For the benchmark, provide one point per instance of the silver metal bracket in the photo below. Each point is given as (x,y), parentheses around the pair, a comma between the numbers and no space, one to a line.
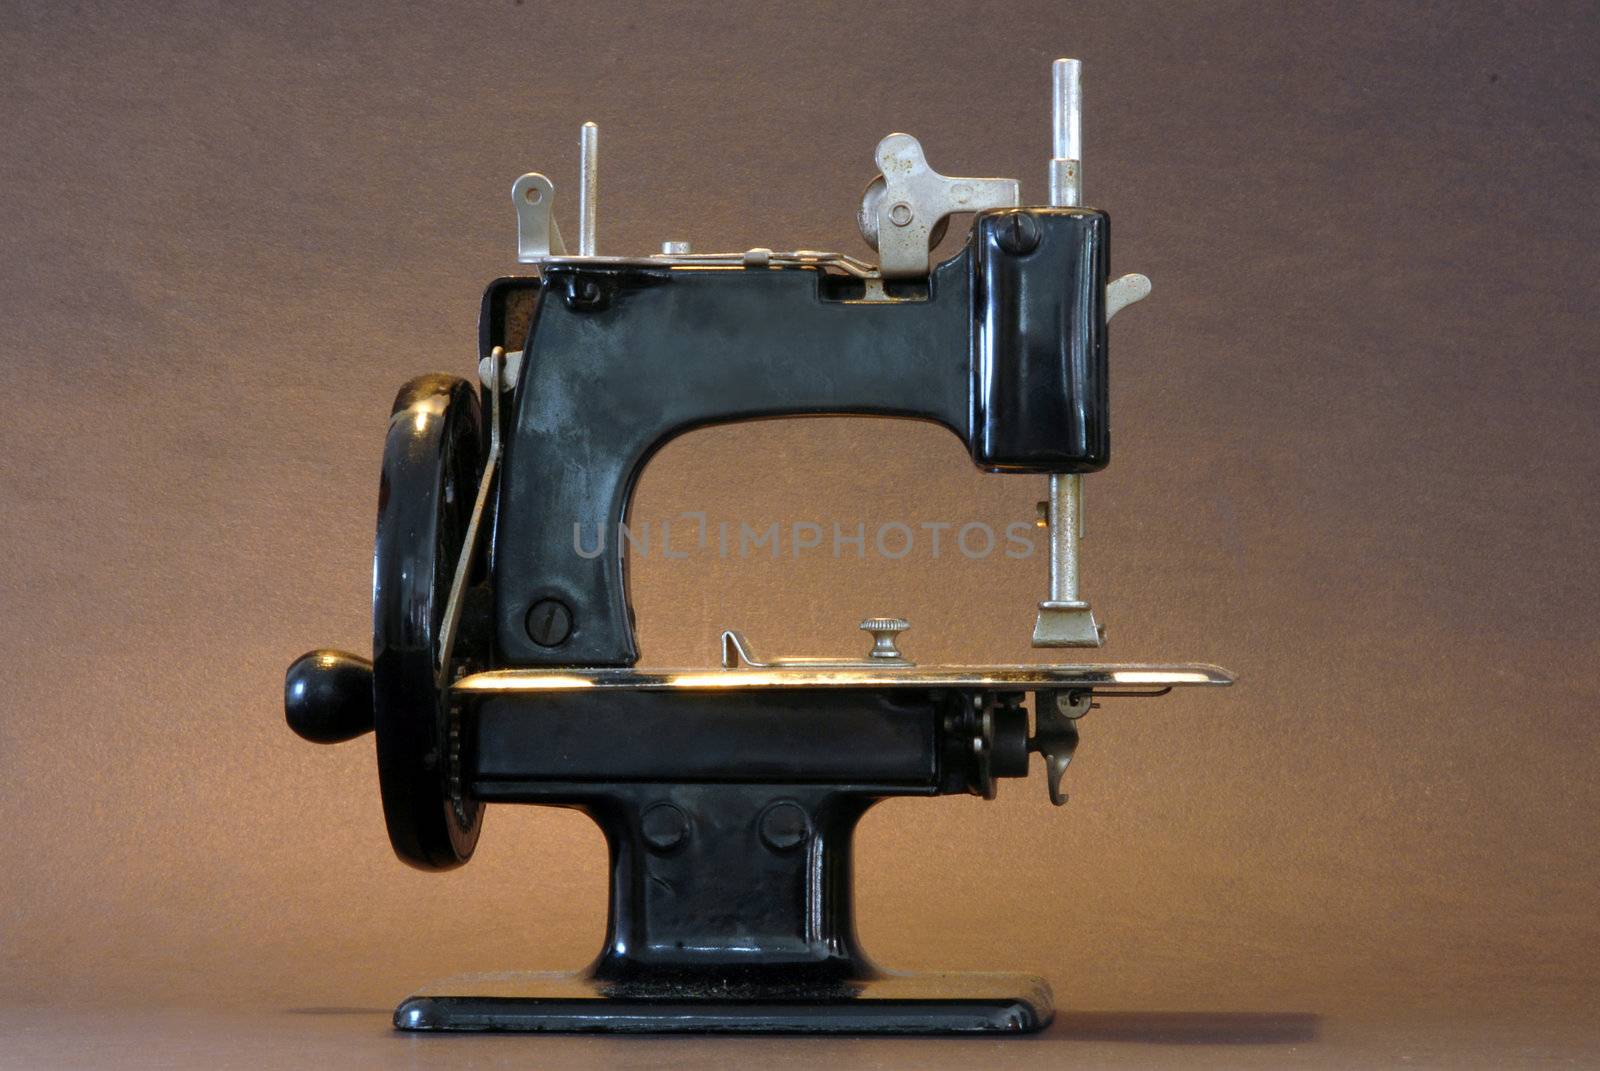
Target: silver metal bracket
(538,236)
(1124,291)
(903,209)
(510,372)
(1055,733)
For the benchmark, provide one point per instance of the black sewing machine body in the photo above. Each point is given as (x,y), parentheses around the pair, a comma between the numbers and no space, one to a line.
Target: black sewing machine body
(503,662)
(1007,349)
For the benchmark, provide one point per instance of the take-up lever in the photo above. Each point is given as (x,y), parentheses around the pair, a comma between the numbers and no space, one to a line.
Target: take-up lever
(905,210)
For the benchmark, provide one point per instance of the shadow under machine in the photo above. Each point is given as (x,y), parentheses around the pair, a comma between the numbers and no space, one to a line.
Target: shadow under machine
(503,666)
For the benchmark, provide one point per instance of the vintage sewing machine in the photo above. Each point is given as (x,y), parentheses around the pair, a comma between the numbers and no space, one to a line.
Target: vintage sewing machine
(502,667)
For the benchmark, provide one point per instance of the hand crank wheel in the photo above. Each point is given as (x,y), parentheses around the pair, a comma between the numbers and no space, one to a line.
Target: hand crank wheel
(432,461)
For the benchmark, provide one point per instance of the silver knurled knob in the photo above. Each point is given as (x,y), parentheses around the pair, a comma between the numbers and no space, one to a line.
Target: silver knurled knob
(883,631)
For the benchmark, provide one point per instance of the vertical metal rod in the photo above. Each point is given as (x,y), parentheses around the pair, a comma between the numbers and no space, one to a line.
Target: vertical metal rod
(1064,512)
(1066,522)
(1066,191)
(1066,82)
(1066,130)
(588,187)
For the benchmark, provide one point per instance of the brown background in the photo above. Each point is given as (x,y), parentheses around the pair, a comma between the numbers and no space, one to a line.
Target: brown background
(1356,464)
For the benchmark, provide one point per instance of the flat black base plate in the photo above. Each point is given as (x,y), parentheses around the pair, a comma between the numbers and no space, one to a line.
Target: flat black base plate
(891,1004)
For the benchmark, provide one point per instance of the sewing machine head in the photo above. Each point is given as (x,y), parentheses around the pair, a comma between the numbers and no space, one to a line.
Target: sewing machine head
(504,645)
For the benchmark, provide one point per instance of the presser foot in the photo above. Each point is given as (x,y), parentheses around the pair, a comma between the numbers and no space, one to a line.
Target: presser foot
(890,1003)
(1067,624)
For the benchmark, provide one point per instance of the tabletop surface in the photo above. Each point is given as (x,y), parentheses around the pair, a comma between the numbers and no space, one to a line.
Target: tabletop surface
(130,1038)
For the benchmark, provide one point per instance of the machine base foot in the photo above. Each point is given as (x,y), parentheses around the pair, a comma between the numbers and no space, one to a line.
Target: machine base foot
(578,1003)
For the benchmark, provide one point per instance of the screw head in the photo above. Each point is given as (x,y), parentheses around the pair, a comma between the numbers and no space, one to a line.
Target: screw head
(1018,233)
(549,622)
(663,827)
(584,292)
(785,826)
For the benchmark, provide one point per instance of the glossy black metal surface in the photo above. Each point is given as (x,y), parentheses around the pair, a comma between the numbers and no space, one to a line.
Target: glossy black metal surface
(730,910)
(893,1003)
(1040,400)
(327,696)
(432,459)
(728,812)
(736,735)
(1007,351)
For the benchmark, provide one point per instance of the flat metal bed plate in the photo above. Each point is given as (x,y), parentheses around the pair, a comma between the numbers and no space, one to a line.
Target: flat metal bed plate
(1100,678)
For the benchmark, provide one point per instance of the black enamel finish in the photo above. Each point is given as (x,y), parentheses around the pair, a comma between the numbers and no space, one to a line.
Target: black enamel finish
(772,736)
(1040,400)
(741,921)
(729,818)
(1007,351)
(432,459)
(885,1004)
(327,696)
(728,814)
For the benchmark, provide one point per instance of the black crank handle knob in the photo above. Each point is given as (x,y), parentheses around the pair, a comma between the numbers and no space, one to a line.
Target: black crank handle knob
(327,696)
